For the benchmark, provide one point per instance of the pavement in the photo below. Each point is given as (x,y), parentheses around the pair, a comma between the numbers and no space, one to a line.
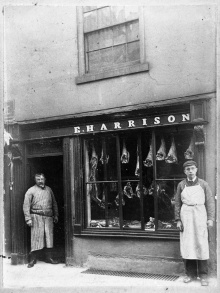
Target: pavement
(44,277)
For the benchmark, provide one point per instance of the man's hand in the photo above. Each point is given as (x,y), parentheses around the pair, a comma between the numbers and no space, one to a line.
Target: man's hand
(29,223)
(55,219)
(209,223)
(179,225)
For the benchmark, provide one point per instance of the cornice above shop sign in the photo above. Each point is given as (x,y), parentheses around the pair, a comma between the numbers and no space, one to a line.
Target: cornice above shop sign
(117,125)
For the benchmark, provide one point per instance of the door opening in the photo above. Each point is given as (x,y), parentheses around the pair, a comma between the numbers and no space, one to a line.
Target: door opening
(52,168)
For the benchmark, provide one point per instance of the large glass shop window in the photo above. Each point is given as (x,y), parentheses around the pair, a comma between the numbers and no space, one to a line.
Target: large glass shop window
(131,178)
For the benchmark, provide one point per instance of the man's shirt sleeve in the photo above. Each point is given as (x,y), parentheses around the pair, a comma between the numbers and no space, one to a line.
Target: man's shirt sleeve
(209,202)
(55,207)
(178,202)
(27,204)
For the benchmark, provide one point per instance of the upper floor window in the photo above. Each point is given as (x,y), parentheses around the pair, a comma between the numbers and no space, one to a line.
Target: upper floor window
(110,38)
(111,35)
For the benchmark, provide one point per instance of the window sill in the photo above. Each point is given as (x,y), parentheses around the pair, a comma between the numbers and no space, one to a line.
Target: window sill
(131,69)
(160,235)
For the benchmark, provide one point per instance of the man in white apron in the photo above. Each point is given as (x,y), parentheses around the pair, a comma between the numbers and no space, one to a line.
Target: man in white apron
(40,211)
(195,214)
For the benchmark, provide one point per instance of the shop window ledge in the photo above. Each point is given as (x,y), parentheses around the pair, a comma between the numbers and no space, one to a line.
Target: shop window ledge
(174,235)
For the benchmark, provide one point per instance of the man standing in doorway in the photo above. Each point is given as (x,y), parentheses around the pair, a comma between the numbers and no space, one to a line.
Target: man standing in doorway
(40,211)
(195,214)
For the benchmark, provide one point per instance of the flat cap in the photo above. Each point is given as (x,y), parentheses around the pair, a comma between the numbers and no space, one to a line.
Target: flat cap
(189,163)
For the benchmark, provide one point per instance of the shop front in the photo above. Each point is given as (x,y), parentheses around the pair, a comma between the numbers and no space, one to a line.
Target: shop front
(114,177)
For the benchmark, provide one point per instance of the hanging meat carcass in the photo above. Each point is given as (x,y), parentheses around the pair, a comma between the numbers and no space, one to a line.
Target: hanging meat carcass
(93,165)
(151,189)
(138,190)
(102,159)
(189,153)
(125,154)
(161,153)
(92,177)
(172,155)
(137,169)
(117,200)
(128,191)
(149,159)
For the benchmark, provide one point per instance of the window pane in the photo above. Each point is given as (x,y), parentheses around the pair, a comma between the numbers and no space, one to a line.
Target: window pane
(147,167)
(119,35)
(94,60)
(104,17)
(165,195)
(92,41)
(106,58)
(103,151)
(106,38)
(130,182)
(107,167)
(131,12)
(90,21)
(98,196)
(173,146)
(133,51)
(118,14)
(119,53)
(132,31)
(132,206)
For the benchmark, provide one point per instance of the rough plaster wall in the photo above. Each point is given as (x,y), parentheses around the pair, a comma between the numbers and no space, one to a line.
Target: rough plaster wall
(40,58)
(123,248)
(42,62)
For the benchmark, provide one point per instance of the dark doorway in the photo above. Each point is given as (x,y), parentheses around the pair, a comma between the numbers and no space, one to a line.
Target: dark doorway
(52,167)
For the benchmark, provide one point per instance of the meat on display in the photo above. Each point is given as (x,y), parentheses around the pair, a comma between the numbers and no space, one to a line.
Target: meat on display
(172,154)
(189,153)
(149,159)
(125,154)
(161,153)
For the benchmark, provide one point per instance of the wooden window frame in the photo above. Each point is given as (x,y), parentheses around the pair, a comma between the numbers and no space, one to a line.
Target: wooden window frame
(82,229)
(128,68)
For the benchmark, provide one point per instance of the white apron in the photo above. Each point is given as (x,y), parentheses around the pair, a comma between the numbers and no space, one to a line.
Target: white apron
(41,232)
(194,238)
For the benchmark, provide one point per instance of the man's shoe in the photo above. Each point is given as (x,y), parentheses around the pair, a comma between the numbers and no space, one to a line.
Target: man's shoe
(204,282)
(52,261)
(187,279)
(31,263)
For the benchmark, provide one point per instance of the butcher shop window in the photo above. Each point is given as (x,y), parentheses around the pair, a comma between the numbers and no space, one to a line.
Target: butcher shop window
(131,178)
(112,39)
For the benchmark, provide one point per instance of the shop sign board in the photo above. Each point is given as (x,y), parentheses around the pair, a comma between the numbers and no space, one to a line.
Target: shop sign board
(143,122)
(117,125)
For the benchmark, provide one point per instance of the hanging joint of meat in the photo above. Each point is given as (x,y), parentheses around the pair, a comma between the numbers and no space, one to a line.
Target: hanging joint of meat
(189,153)
(92,177)
(137,170)
(149,159)
(138,190)
(117,200)
(104,159)
(125,155)
(172,154)
(93,165)
(161,153)
(128,191)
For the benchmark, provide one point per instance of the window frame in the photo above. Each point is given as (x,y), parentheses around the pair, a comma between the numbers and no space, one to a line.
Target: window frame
(121,69)
(139,233)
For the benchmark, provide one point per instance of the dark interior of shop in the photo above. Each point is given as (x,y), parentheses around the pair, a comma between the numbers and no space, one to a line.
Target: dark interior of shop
(52,168)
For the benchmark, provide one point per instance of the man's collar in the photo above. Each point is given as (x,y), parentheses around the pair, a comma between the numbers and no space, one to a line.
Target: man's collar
(193,180)
(41,187)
